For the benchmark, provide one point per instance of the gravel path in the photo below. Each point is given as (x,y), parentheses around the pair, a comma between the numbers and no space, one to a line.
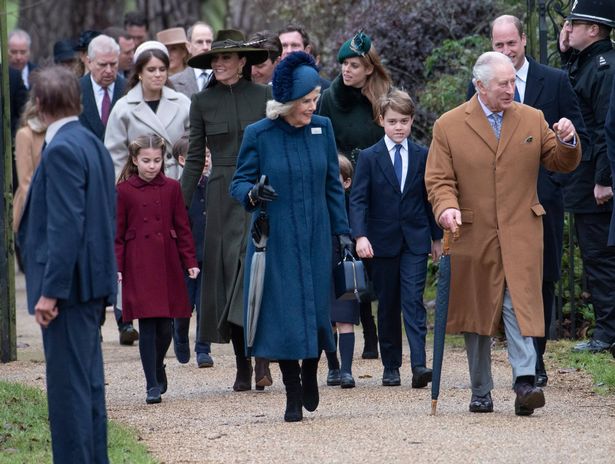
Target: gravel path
(201,420)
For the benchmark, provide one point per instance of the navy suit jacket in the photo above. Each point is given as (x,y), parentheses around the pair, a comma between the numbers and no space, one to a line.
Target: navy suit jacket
(89,117)
(380,211)
(68,228)
(549,90)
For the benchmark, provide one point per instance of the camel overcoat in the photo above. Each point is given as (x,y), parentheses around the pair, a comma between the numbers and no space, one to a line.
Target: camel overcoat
(493,184)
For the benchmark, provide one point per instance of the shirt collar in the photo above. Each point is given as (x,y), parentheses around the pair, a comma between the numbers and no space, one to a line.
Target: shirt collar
(390,144)
(98,89)
(522,73)
(486,110)
(55,126)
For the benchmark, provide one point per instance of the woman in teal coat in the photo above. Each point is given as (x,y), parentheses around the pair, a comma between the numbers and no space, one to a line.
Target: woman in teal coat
(296,150)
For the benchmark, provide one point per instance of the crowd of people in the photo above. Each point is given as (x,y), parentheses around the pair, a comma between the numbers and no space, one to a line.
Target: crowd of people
(152,176)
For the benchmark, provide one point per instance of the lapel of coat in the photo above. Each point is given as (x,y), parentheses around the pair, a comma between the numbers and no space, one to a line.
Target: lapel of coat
(413,166)
(534,84)
(190,81)
(156,121)
(510,121)
(118,89)
(384,161)
(476,120)
(90,109)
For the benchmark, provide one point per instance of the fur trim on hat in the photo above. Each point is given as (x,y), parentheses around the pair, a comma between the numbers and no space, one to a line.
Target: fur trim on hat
(282,83)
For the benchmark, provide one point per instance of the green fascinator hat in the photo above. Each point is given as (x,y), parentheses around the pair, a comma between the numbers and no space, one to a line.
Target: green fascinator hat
(359,45)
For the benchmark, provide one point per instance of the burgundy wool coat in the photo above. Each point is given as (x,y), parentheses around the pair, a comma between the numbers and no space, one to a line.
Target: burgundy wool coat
(154,248)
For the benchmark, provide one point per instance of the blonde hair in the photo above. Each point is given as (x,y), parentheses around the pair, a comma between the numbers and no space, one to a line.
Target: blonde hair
(275,109)
(143,141)
(346,169)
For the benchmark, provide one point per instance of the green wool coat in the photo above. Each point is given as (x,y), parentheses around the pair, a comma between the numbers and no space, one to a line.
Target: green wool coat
(351,116)
(218,117)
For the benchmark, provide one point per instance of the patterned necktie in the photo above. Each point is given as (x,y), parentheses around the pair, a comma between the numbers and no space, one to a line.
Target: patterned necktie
(202,80)
(397,164)
(496,123)
(105,108)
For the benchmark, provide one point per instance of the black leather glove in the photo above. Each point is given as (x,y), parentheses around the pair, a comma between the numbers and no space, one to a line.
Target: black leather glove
(346,244)
(262,191)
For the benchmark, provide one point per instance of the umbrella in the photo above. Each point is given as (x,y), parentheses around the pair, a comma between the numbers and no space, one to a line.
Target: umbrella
(260,234)
(439,330)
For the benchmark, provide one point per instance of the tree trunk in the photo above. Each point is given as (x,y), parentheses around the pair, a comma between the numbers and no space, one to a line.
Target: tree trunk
(47,22)
(163,14)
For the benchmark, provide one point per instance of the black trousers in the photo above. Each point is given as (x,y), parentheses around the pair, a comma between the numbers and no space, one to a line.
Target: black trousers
(599,266)
(540,343)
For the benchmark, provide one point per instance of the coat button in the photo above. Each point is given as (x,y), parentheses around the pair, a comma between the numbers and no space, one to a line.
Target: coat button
(146,235)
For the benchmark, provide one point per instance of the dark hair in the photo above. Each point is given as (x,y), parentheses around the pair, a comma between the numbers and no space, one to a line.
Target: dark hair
(297,28)
(397,100)
(143,59)
(604,31)
(180,148)
(270,42)
(116,32)
(135,18)
(143,141)
(60,95)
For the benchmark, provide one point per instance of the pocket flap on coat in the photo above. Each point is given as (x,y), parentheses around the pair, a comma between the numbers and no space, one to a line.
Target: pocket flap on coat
(216,128)
(467,216)
(538,209)
(173,233)
(130,234)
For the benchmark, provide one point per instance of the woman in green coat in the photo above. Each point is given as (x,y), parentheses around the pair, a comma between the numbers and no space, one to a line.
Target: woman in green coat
(352,105)
(218,116)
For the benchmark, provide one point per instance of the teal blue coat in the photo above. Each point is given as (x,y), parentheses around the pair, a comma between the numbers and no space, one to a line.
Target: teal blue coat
(302,167)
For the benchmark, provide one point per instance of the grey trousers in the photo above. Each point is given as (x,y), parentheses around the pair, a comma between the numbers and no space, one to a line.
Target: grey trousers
(521,352)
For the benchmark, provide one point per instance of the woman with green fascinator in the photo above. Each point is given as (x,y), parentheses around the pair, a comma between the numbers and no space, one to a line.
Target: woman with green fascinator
(352,105)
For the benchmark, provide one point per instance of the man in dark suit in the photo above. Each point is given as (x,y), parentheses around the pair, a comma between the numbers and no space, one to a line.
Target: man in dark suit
(19,43)
(394,227)
(609,130)
(192,80)
(67,240)
(101,88)
(547,89)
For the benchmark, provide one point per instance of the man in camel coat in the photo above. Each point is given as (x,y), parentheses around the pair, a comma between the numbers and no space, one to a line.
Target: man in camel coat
(481,178)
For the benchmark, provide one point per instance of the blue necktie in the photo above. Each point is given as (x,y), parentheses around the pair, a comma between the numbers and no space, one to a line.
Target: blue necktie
(397,163)
(517,96)
(496,123)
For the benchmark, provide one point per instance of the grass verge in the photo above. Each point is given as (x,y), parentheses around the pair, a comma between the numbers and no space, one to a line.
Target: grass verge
(601,366)
(24,430)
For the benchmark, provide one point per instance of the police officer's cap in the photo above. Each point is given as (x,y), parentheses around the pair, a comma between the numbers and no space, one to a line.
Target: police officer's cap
(593,11)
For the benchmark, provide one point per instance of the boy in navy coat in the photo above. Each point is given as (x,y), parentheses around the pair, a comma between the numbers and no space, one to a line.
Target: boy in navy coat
(395,231)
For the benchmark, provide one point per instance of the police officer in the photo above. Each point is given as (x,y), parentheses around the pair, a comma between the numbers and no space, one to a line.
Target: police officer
(590,59)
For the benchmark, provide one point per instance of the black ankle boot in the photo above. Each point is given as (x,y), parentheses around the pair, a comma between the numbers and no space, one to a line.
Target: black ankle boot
(309,383)
(290,377)
(243,379)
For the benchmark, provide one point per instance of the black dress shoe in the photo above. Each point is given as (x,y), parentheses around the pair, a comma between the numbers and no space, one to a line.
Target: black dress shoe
(541,379)
(528,398)
(346,380)
(333,378)
(153,395)
(421,376)
(591,346)
(481,403)
(391,378)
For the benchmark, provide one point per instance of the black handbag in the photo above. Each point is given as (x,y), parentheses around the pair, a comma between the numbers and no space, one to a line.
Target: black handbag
(349,278)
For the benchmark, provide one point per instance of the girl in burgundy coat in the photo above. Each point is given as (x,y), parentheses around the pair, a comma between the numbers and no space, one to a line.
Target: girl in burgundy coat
(153,246)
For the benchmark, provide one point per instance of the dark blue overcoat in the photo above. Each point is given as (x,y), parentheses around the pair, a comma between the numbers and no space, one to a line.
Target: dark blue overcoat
(302,167)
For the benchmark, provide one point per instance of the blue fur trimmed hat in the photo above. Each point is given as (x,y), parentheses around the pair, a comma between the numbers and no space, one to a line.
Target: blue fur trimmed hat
(359,45)
(295,77)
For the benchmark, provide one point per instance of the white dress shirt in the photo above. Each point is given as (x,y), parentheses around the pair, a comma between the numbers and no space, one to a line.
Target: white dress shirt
(521,79)
(404,157)
(99,94)
(55,126)
(202,77)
